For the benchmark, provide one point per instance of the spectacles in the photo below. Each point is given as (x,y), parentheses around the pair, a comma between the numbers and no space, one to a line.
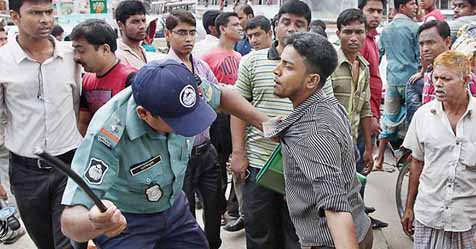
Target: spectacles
(183,33)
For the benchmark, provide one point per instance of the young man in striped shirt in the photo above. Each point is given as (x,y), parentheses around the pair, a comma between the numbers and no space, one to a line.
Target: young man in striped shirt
(322,190)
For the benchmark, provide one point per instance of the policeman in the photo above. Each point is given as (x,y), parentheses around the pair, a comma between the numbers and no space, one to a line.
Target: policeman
(134,157)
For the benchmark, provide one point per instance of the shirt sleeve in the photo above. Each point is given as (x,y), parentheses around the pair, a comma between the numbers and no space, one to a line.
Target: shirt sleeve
(366,110)
(211,92)
(97,165)
(245,77)
(381,47)
(2,116)
(319,158)
(412,141)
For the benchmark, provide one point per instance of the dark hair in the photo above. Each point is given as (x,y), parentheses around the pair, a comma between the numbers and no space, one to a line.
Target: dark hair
(57,30)
(397,3)
(442,27)
(297,8)
(208,19)
(362,3)
(128,8)
(319,55)
(472,2)
(97,32)
(318,27)
(179,16)
(15,5)
(223,19)
(259,21)
(246,8)
(350,15)
(2,29)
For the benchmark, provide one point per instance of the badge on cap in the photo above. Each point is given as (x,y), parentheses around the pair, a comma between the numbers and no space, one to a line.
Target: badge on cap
(153,193)
(95,172)
(187,96)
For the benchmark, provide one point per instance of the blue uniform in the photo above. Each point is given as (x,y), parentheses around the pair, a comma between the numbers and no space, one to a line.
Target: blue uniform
(141,171)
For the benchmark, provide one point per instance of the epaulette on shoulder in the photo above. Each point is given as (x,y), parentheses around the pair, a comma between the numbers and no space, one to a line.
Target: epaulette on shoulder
(111,132)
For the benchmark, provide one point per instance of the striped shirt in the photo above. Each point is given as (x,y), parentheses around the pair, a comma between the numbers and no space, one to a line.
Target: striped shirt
(354,96)
(319,169)
(256,84)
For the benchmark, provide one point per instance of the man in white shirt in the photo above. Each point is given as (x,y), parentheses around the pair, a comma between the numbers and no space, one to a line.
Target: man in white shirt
(441,204)
(39,92)
(211,39)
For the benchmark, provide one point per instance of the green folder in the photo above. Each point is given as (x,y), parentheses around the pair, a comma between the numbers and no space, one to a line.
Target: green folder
(271,176)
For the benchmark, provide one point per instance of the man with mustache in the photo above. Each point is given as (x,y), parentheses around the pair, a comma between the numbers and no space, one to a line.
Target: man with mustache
(351,79)
(441,204)
(130,17)
(94,44)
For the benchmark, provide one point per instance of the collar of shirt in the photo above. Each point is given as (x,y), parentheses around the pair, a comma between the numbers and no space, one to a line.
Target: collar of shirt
(273,51)
(209,37)
(341,59)
(315,99)
(135,126)
(19,54)
(402,16)
(372,33)
(123,46)
(437,108)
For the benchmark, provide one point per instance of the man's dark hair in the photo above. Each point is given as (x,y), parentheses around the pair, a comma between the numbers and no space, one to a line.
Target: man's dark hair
(2,29)
(350,15)
(208,19)
(295,7)
(318,27)
(442,27)
(397,3)
(15,5)
(223,19)
(261,22)
(362,3)
(179,16)
(128,8)
(57,30)
(472,3)
(246,8)
(319,55)
(97,32)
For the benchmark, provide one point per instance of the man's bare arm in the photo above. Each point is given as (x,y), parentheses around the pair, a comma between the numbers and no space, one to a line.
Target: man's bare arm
(414,181)
(239,160)
(342,229)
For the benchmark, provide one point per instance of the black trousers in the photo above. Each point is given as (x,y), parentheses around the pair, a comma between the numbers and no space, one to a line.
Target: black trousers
(267,221)
(203,177)
(38,193)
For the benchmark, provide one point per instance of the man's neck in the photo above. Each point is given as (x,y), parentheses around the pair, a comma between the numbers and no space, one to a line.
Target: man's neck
(299,99)
(183,57)
(279,48)
(351,57)
(131,43)
(429,9)
(108,65)
(457,106)
(37,48)
(226,43)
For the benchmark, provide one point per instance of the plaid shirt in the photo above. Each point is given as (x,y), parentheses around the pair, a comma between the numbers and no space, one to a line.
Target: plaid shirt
(428,93)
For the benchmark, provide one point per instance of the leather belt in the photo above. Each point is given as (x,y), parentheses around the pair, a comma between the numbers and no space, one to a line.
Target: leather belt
(37,163)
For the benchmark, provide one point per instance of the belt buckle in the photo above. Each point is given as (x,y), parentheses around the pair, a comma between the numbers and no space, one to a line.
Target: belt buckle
(40,166)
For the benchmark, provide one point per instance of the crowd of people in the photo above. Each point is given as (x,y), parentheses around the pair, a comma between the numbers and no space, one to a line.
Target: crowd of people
(156,139)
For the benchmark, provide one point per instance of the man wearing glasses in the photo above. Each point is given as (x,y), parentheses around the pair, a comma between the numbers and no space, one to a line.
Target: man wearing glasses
(203,173)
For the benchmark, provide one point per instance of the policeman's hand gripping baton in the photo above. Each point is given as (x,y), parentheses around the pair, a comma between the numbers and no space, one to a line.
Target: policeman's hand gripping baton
(61,166)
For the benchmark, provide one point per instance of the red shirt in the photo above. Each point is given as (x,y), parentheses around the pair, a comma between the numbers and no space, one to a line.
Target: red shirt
(224,64)
(98,90)
(434,15)
(370,52)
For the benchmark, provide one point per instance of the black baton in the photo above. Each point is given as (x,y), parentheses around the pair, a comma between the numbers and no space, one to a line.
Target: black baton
(61,166)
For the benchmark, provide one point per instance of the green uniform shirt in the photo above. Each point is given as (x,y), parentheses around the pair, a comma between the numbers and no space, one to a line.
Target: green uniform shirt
(125,161)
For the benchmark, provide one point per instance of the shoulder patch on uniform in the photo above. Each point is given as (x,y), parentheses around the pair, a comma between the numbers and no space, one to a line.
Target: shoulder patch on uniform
(110,134)
(96,171)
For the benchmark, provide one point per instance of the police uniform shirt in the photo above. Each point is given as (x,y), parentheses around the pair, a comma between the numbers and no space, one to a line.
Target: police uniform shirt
(125,161)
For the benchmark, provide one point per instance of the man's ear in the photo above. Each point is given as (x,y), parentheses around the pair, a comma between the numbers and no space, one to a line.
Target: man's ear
(142,112)
(313,81)
(167,34)
(15,17)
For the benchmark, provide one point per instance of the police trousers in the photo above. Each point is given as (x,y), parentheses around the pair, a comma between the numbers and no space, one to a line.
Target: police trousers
(174,228)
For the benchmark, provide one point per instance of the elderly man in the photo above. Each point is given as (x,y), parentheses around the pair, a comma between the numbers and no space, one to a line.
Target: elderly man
(443,143)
